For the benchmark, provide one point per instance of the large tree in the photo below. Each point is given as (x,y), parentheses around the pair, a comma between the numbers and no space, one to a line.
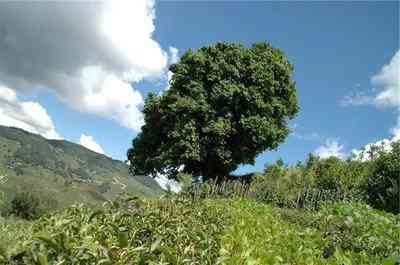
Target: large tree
(226,104)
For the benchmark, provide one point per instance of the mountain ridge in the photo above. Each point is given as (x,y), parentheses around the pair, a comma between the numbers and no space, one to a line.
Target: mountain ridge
(66,171)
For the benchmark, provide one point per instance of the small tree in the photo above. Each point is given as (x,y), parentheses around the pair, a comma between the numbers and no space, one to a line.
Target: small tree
(226,104)
(330,173)
(382,185)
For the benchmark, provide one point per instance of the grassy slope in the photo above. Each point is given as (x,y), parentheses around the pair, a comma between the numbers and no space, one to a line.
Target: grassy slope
(226,232)
(63,170)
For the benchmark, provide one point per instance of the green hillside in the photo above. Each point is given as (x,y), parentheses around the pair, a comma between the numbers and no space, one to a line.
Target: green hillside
(64,171)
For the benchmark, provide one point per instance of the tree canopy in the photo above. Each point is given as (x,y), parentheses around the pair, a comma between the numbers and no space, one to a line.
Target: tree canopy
(226,104)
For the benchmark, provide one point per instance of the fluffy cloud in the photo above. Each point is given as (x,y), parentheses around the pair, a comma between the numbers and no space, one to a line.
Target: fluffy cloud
(364,153)
(169,78)
(388,80)
(384,144)
(396,130)
(330,148)
(27,115)
(89,142)
(166,183)
(174,58)
(88,53)
(387,83)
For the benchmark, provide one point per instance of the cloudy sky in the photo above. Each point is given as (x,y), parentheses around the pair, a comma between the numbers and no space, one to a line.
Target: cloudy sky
(81,71)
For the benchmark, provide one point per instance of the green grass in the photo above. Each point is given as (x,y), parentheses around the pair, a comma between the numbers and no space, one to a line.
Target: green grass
(212,231)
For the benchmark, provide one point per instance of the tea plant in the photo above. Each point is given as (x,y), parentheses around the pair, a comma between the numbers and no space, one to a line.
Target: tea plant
(358,227)
(129,232)
(175,230)
(262,236)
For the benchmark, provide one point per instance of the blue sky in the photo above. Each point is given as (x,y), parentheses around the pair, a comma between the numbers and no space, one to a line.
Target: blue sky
(336,49)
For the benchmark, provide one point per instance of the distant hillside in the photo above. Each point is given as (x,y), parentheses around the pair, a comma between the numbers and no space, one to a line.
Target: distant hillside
(65,171)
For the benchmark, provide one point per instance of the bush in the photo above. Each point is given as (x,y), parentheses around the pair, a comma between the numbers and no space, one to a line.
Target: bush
(25,205)
(382,185)
(357,227)
(28,205)
(179,231)
(130,231)
(260,237)
(263,235)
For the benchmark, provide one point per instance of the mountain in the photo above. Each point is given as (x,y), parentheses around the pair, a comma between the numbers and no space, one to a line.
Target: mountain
(64,171)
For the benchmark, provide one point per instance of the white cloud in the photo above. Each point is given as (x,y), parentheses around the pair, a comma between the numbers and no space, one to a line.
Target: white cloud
(388,80)
(396,130)
(384,144)
(166,183)
(314,136)
(174,58)
(27,115)
(88,53)
(367,151)
(330,148)
(387,83)
(169,78)
(358,98)
(89,142)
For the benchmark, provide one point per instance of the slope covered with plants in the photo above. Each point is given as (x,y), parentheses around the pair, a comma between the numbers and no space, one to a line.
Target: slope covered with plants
(62,172)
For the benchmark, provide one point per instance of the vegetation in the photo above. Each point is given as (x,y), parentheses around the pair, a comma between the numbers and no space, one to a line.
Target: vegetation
(334,235)
(287,215)
(64,172)
(317,181)
(382,185)
(226,104)
(178,230)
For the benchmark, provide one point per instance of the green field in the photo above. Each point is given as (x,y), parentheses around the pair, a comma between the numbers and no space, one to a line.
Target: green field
(211,231)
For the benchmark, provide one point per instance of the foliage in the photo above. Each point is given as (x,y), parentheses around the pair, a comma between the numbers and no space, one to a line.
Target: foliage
(218,231)
(382,185)
(13,231)
(226,104)
(25,205)
(315,182)
(357,227)
(129,232)
(262,236)
(307,185)
(329,173)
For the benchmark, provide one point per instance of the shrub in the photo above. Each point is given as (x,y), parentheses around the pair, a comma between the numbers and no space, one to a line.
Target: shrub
(28,205)
(130,231)
(25,205)
(357,227)
(262,235)
(382,185)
